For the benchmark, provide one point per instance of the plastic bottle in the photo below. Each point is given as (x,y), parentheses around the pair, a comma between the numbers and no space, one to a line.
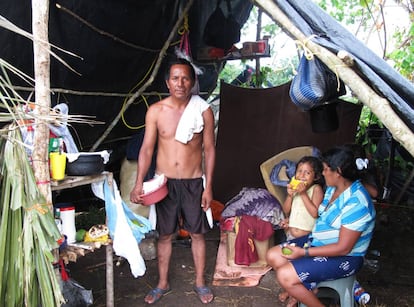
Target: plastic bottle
(67,215)
(360,295)
(58,221)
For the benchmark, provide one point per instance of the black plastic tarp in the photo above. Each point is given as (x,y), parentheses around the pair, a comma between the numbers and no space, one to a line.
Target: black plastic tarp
(89,28)
(387,82)
(118,42)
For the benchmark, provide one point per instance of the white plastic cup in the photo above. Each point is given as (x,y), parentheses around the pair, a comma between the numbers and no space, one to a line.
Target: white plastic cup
(67,216)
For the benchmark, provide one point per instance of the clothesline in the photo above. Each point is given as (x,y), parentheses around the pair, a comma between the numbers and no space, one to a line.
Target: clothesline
(82,93)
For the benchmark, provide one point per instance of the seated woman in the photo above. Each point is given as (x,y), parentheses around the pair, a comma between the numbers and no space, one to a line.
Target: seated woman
(340,238)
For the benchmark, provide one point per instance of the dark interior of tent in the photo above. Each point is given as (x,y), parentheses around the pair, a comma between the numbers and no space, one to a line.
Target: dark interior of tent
(117,43)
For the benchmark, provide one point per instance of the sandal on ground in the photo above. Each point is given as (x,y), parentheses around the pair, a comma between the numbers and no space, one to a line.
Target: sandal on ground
(204,294)
(156,294)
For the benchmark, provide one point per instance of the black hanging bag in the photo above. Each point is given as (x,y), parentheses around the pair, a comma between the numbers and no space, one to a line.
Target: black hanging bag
(221,31)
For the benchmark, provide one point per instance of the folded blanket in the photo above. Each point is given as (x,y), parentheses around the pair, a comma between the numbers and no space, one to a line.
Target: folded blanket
(191,120)
(255,202)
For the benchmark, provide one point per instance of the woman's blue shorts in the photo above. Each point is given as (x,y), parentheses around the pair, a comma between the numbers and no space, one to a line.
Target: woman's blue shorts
(312,270)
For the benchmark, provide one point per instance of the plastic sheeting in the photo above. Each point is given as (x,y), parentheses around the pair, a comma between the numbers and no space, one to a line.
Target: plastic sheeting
(256,124)
(118,42)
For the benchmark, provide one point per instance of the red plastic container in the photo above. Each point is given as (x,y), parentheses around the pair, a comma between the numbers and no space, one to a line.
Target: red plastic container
(156,195)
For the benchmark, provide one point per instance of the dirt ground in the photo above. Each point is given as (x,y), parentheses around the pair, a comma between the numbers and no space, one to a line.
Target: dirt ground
(388,275)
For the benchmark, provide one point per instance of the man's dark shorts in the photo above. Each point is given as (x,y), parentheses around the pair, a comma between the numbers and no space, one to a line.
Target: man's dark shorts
(183,201)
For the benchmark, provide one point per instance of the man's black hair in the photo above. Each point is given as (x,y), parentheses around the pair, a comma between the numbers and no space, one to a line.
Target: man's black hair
(180,61)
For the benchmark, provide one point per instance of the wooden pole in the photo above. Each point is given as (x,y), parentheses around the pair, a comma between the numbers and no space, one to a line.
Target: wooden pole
(258,37)
(379,106)
(41,48)
(109,276)
(150,79)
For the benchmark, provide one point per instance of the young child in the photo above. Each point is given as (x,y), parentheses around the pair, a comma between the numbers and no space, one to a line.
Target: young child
(305,193)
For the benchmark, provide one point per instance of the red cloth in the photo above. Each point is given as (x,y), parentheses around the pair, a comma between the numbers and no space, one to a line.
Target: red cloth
(250,228)
(63,272)
(228,224)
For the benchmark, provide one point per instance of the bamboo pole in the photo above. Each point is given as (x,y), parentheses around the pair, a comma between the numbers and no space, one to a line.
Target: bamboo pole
(41,49)
(150,79)
(379,106)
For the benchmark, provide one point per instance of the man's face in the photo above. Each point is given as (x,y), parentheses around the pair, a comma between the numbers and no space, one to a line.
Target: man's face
(180,83)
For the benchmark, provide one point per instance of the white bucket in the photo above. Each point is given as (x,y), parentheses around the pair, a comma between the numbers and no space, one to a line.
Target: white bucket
(67,216)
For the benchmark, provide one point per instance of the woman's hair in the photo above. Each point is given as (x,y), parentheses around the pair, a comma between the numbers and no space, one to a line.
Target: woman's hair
(369,173)
(343,160)
(317,167)
(180,61)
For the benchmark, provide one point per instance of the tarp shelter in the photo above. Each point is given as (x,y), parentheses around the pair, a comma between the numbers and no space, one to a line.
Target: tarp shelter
(118,42)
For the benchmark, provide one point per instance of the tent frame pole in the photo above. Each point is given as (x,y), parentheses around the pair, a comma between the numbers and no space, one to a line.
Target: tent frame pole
(41,57)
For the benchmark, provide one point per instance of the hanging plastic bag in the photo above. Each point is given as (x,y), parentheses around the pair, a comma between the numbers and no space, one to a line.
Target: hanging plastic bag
(314,84)
(125,228)
(75,294)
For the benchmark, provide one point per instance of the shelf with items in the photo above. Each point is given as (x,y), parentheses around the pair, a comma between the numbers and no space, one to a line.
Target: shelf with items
(79,249)
(249,51)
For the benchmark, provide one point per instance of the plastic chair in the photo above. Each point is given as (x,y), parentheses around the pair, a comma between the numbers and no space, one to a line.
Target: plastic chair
(344,288)
(293,154)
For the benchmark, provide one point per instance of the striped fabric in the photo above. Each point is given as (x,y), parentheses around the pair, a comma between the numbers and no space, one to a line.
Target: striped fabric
(354,210)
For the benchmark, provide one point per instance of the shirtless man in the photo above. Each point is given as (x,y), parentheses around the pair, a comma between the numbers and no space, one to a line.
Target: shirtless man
(182,164)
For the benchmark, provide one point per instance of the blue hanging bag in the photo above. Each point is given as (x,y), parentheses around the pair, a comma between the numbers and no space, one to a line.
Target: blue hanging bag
(314,84)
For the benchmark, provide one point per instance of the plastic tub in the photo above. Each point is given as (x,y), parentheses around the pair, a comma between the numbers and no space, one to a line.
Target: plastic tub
(156,195)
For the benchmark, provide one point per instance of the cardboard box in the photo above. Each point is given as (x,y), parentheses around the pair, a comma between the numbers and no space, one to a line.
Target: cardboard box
(255,48)
(261,246)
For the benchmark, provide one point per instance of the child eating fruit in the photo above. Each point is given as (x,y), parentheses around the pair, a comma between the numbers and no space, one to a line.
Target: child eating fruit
(304,195)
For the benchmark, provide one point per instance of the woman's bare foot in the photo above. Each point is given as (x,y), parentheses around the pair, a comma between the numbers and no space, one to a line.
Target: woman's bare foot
(283,296)
(292,302)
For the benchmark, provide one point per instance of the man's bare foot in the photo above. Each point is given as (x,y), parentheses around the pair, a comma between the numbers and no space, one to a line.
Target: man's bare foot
(204,294)
(155,295)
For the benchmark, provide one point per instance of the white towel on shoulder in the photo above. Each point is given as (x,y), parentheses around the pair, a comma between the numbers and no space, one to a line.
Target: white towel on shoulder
(191,120)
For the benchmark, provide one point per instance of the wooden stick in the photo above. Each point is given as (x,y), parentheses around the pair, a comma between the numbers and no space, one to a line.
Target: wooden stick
(41,52)
(102,32)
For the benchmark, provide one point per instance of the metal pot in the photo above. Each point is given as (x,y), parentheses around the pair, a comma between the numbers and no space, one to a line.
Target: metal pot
(84,165)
